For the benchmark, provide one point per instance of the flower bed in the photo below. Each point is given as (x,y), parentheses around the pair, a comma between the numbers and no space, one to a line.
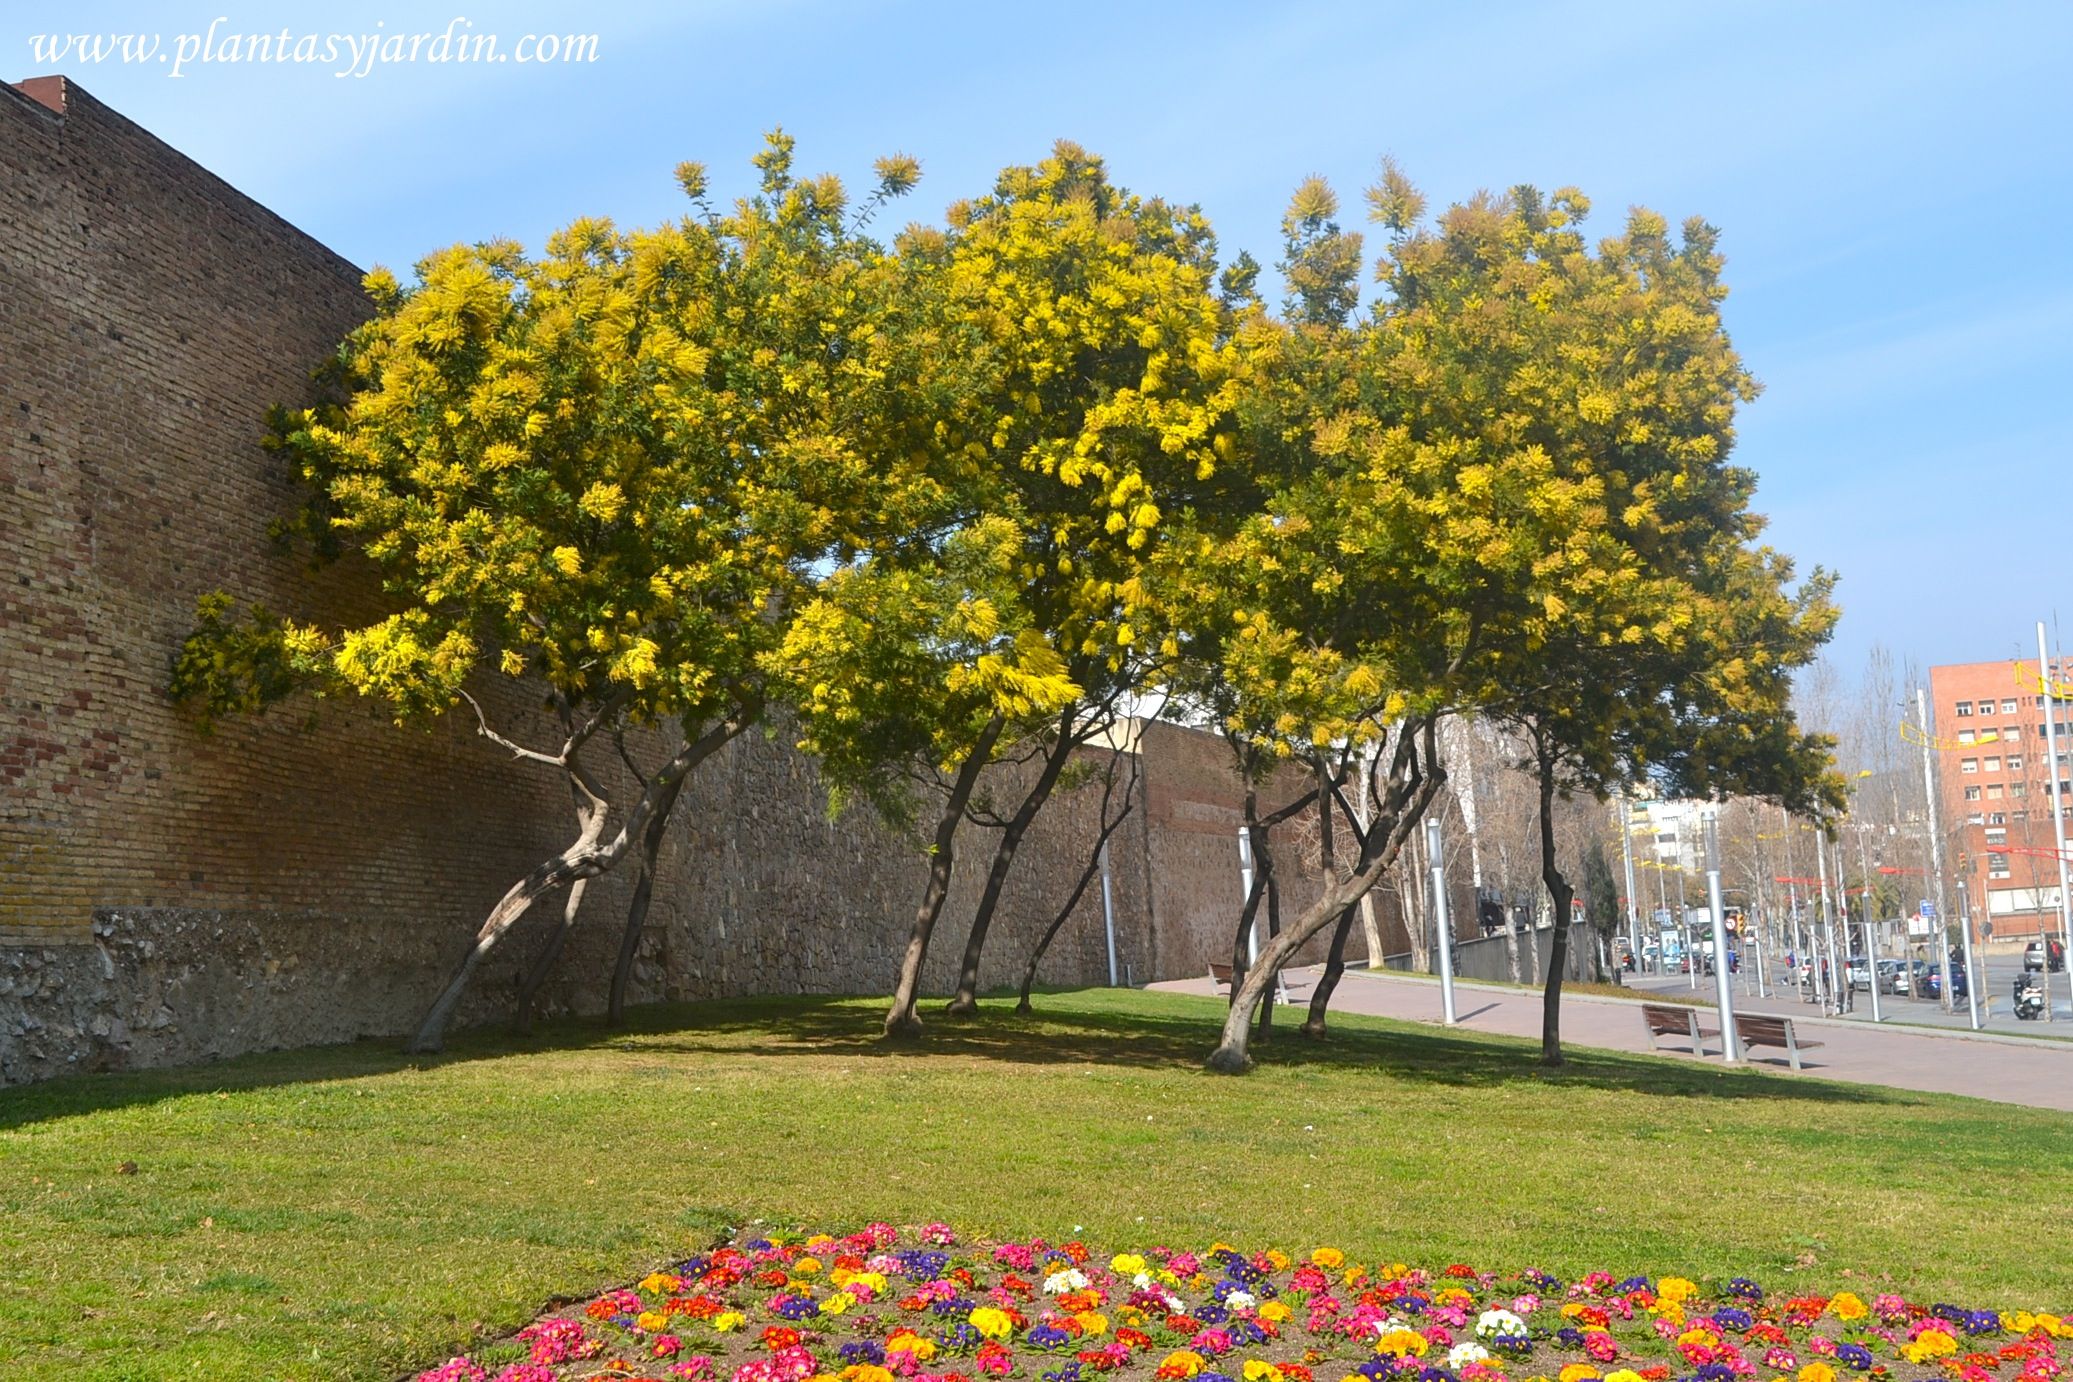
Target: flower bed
(883,1306)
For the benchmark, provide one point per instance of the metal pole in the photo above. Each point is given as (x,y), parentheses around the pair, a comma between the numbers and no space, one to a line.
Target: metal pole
(1684,924)
(1943,910)
(1871,959)
(1723,992)
(1965,933)
(1846,995)
(2046,681)
(1108,914)
(1826,923)
(1443,932)
(1625,820)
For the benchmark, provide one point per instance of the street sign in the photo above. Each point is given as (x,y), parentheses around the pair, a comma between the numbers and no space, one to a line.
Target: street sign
(1928,909)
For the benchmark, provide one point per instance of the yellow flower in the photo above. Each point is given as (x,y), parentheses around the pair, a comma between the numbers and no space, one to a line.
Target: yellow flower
(866,1372)
(992,1323)
(1278,1258)
(1401,1341)
(659,1283)
(1847,1306)
(806,1266)
(1676,1289)
(727,1321)
(1126,1264)
(1186,1363)
(1331,1259)
(650,1321)
(1930,1343)
(1274,1312)
(1260,1370)
(907,1341)
(1578,1372)
(1817,1372)
(1091,1323)
(1701,1335)
(837,1303)
(1623,1375)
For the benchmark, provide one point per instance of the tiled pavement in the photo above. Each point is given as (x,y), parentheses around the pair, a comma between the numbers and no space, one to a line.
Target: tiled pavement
(2009,1069)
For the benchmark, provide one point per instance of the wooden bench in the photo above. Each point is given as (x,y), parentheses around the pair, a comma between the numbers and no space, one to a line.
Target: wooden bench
(1758,1030)
(1678,1021)
(1220,975)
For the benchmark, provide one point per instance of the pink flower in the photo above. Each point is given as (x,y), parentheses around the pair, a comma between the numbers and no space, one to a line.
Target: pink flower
(938,1235)
(525,1372)
(1526,1304)
(454,1370)
(1783,1359)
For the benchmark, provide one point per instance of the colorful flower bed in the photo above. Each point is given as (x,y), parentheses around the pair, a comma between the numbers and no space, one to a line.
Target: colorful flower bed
(883,1306)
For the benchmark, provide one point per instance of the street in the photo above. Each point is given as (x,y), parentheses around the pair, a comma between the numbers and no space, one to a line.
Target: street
(1997,971)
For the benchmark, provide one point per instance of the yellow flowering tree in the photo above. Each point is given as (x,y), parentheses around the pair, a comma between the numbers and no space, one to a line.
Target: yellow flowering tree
(1097,367)
(1503,482)
(611,474)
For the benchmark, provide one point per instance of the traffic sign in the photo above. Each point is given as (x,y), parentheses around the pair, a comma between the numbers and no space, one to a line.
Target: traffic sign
(1928,909)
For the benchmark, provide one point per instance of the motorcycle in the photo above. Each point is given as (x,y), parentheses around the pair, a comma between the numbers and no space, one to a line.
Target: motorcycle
(2029,998)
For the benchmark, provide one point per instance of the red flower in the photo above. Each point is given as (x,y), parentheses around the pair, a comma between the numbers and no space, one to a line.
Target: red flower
(1458,1269)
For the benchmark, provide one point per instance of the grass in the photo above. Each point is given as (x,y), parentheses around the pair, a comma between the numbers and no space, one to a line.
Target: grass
(351,1212)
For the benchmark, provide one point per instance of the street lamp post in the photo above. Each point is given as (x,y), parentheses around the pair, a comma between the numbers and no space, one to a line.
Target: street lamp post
(1943,939)
(2052,779)
(1441,928)
(1723,993)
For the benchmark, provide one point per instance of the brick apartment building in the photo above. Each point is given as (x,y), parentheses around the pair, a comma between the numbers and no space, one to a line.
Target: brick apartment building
(1991,768)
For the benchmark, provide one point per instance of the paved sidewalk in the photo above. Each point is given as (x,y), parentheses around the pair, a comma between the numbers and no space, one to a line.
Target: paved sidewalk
(2007,1069)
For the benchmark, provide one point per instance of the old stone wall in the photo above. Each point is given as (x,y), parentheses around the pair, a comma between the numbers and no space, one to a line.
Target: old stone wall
(311,875)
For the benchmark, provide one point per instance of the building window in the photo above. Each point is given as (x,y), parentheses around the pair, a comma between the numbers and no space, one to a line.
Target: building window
(1974,819)
(1972,794)
(1993,791)
(2008,707)
(2011,731)
(1999,817)
(1968,765)
(1964,736)
(1964,710)
(1993,763)
(2015,762)
(2019,816)
(2018,789)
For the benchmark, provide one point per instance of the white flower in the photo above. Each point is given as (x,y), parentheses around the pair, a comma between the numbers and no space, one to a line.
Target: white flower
(1240,1300)
(1141,1280)
(1491,1323)
(1071,1279)
(1464,1353)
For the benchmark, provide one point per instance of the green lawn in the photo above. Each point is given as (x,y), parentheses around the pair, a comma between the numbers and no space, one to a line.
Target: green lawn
(352,1212)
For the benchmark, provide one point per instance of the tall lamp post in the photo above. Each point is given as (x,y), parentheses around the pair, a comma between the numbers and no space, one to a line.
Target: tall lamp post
(1723,994)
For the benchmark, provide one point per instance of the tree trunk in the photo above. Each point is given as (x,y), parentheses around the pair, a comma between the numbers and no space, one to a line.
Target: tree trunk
(1266,1023)
(1411,791)
(1561,894)
(543,963)
(900,1018)
(1108,828)
(589,856)
(966,1002)
(637,911)
(1335,959)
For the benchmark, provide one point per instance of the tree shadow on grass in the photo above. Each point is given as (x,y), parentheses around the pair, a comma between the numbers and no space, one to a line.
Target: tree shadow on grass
(1105,1028)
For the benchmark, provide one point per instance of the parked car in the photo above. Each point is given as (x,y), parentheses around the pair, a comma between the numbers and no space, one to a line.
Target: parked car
(1898,983)
(2045,954)
(1932,986)
(1857,971)
(1891,977)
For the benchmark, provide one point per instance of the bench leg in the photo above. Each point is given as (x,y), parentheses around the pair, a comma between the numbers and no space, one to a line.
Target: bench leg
(1691,1020)
(1791,1048)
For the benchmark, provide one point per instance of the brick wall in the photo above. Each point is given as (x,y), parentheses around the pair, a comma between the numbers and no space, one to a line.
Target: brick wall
(311,875)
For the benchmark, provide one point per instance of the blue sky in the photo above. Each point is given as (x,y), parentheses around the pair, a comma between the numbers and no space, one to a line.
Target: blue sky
(1894,183)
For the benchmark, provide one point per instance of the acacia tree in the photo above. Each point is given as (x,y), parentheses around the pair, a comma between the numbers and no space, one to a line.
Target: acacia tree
(1101,367)
(608,475)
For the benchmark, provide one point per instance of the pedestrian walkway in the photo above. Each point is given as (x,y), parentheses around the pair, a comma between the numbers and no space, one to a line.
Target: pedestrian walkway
(2007,1069)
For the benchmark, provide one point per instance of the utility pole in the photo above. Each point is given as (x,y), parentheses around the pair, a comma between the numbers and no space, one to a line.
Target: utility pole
(1443,933)
(1943,940)
(2058,815)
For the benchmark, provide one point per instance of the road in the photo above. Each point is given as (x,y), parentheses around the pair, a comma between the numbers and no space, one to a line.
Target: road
(1997,1011)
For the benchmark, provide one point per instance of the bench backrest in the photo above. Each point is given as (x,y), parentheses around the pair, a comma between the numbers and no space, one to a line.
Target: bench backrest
(1760,1028)
(1666,1020)
(1220,973)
